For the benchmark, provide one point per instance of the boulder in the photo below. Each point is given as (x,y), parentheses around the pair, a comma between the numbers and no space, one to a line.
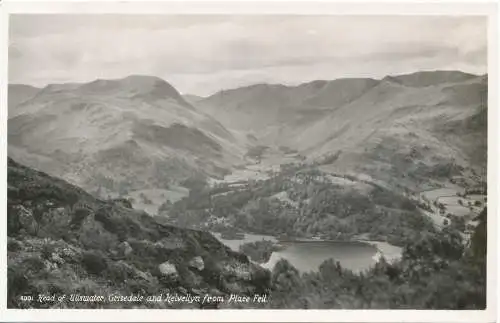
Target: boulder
(197,262)
(168,269)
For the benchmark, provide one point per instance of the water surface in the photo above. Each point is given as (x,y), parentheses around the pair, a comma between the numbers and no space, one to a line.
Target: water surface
(308,255)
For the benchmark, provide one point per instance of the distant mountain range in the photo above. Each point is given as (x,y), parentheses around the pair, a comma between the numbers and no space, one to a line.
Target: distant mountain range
(139,132)
(374,123)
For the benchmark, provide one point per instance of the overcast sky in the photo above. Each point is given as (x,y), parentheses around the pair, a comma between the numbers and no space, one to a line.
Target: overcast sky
(204,54)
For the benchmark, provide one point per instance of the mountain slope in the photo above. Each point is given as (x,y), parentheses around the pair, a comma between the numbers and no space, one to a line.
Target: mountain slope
(382,128)
(398,128)
(62,240)
(19,93)
(136,132)
(265,108)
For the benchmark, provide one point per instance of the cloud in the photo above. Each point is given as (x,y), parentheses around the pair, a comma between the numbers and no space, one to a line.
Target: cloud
(201,54)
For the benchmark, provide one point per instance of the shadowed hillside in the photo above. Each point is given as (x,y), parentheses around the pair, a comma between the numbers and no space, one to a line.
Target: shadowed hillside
(62,240)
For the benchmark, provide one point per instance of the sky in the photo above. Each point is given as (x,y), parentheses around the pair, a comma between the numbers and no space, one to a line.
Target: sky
(203,54)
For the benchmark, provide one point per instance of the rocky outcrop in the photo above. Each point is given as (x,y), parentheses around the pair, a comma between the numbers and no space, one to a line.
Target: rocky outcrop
(168,269)
(197,263)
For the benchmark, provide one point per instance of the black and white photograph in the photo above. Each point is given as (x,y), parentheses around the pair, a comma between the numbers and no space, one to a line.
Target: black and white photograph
(230,161)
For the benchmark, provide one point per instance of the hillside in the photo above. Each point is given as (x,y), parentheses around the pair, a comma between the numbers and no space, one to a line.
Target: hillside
(19,93)
(400,129)
(61,240)
(119,135)
(264,108)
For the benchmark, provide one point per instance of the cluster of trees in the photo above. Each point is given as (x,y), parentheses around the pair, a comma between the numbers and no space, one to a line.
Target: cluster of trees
(312,206)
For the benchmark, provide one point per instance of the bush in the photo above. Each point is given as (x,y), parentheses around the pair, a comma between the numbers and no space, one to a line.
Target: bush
(119,271)
(13,245)
(94,262)
(17,285)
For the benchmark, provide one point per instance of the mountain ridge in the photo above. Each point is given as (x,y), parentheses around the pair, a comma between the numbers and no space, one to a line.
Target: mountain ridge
(79,126)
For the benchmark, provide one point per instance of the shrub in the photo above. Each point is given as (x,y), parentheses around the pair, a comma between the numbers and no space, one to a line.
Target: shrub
(119,271)
(94,262)
(17,285)
(13,245)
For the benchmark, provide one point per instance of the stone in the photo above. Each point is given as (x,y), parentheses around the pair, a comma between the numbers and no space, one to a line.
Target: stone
(197,262)
(168,269)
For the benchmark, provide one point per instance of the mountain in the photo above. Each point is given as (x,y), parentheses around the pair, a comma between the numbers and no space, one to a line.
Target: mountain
(373,125)
(19,93)
(395,130)
(429,78)
(139,135)
(261,107)
(132,133)
(62,240)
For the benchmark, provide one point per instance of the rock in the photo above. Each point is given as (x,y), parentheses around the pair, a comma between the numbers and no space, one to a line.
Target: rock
(168,269)
(197,262)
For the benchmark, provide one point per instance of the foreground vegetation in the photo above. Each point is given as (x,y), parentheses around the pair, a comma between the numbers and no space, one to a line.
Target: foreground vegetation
(61,240)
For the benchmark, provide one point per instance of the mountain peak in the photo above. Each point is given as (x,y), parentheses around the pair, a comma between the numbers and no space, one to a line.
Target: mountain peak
(429,78)
(132,83)
(136,87)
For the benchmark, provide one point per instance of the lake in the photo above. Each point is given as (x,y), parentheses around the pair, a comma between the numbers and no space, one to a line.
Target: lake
(308,255)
